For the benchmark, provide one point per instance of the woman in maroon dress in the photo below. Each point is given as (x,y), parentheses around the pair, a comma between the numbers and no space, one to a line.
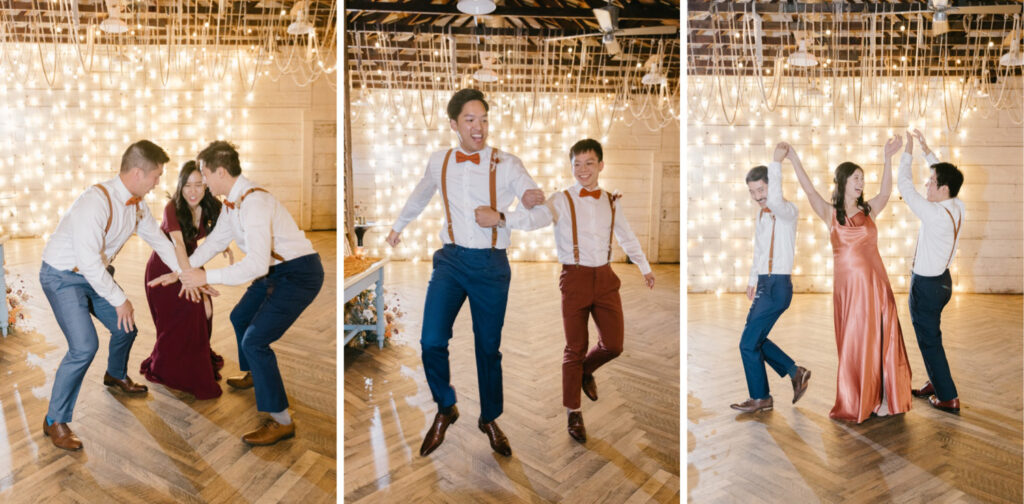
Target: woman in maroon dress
(182,358)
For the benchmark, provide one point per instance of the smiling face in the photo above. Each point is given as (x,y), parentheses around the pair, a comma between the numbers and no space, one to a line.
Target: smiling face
(471,126)
(854,186)
(586,168)
(759,192)
(215,179)
(194,189)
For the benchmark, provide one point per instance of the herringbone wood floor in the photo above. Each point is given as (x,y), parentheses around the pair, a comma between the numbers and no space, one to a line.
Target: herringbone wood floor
(632,454)
(166,447)
(797,454)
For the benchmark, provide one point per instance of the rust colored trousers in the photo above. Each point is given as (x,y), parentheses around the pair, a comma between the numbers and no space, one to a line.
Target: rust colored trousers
(588,291)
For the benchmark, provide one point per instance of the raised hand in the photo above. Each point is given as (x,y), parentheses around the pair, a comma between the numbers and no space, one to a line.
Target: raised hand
(532,198)
(910,144)
(920,139)
(892,146)
(781,152)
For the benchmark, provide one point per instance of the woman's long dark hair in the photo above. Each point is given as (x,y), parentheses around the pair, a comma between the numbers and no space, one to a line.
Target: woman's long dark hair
(843,172)
(209,204)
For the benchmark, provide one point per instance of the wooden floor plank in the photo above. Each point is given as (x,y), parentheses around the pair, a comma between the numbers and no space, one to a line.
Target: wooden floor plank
(167,446)
(632,449)
(795,453)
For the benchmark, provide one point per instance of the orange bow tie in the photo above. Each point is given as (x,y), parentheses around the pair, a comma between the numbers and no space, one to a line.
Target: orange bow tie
(230,205)
(460,157)
(134,200)
(765,210)
(596,194)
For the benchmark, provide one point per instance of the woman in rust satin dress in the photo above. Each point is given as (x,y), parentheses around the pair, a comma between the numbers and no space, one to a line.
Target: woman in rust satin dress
(874,373)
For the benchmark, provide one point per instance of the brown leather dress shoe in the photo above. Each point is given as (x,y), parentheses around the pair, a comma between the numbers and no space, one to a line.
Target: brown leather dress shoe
(590,387)
(926,391)
(499,442)
(126,385)
(753,405)
(950,406)
(576,428)
(241,382)
(800,380)
(269,433)
(435,435)
(61,436)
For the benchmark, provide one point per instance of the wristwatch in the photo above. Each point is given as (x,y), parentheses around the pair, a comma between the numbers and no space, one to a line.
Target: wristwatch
(501,220)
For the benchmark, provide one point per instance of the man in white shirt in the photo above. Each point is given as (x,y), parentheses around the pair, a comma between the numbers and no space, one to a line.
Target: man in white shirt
(586,217)
(472,263)
(77,278)
(931,287)
(770,286)
(285,271)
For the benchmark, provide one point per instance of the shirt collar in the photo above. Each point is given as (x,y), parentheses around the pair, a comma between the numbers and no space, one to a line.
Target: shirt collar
(241,185)
(121,193)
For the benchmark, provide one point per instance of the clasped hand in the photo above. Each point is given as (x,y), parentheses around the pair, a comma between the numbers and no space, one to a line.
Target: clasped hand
(193,284)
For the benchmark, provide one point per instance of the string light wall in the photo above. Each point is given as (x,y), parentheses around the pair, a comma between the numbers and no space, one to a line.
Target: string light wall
(389,159)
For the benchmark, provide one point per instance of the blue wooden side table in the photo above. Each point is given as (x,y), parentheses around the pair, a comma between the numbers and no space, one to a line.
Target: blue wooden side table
(354,285)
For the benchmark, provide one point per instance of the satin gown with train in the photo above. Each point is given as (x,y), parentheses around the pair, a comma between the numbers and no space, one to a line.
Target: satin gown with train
(868,335)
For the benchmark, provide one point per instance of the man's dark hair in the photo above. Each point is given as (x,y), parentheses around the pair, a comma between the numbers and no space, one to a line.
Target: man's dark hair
(947,174)
(756,173)
(144,154)
(459,100)
(221,154)
(586,145)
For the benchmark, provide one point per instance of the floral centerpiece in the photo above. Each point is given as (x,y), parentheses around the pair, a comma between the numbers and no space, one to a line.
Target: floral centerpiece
(362,309)
(16,298)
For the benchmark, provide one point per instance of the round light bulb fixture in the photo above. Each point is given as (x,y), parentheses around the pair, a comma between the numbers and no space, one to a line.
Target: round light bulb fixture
(113,25)
(476,7)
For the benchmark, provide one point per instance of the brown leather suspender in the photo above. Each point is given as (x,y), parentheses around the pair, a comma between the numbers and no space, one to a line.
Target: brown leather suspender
(493,182)
(273,254)
(575,235)
(444,194)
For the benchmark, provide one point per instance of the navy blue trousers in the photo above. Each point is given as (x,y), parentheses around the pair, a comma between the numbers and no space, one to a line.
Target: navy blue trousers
(928,296)
(774,293)
(482,276)
(268,308)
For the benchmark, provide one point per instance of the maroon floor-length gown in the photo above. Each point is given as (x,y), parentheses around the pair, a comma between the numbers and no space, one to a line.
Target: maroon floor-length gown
(182,358)
(868,334)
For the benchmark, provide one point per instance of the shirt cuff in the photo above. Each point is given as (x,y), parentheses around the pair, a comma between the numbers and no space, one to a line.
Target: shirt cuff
(215,276)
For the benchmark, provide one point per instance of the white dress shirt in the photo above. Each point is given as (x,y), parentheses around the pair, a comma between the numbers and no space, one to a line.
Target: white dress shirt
(782,221)
(593,222)
(259,225)
(77,241)
(936,245)
(468,187)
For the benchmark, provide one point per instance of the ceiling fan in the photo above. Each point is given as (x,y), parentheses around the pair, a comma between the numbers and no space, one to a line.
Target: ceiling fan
(941,9)
(608,19)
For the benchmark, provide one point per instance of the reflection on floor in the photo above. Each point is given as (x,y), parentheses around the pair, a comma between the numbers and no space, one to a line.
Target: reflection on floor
(632,453)
(795,453)
(166,447)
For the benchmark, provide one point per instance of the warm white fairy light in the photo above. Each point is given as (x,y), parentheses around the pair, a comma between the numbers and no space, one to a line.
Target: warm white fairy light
(720,261)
